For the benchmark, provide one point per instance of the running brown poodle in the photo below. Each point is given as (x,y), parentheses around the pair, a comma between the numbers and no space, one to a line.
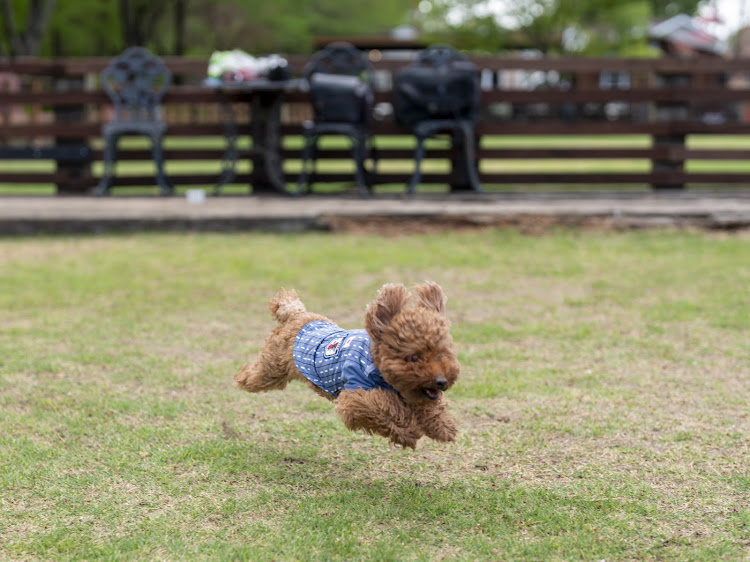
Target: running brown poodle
(387,379)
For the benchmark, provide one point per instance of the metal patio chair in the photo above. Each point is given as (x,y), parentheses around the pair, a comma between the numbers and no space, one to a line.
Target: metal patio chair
(135,81)
(439,92)
(340,81)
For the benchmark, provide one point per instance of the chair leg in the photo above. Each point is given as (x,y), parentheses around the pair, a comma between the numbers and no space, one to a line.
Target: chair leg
(314,162)
(469,155)
(359,151)
(157,153)
(108,170)
(372,149)
(303,183)
(418,157)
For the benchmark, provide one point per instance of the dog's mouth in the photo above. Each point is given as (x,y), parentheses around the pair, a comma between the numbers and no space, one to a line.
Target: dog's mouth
(431,393)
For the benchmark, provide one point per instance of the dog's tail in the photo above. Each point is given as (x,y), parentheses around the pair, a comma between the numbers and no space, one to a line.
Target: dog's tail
(286,304)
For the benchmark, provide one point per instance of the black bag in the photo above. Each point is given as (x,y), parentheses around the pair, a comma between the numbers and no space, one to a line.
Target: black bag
(340,98)
(427,93)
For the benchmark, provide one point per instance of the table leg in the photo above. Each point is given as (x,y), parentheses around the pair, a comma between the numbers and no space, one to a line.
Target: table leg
(464,174)
(229,159)
(267,175)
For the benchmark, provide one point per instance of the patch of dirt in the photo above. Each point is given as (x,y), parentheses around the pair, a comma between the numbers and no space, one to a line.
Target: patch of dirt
(404,225)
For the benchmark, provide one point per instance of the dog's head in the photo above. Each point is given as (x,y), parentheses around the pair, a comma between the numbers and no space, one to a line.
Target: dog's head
(411,341)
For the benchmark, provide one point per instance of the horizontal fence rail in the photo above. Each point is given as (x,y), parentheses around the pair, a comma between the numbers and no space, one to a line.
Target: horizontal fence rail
(636,123)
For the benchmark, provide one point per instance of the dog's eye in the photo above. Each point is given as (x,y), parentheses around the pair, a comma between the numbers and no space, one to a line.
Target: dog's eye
(414,358)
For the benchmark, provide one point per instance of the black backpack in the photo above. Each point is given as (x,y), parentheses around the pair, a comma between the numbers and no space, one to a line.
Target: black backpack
(429,93)
(340,98)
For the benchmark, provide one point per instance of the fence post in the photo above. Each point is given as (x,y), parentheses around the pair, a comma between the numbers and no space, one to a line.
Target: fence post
(672,145)
(73,176)
(459,174)
(673,164)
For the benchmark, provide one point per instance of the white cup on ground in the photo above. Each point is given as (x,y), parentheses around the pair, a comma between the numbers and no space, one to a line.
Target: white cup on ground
(195,196)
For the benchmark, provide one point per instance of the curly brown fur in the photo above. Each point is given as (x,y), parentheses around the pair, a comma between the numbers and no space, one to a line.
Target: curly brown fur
(411,346)
(275,367)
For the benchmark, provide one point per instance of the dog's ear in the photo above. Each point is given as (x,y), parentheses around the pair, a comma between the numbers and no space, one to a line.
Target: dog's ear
(391,299)
(431,295)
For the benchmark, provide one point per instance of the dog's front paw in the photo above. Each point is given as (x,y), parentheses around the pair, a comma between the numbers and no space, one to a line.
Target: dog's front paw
(442,428)
(447,434)
(405,437)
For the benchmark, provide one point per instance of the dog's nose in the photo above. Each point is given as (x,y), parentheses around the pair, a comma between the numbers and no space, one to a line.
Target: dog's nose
(441,383)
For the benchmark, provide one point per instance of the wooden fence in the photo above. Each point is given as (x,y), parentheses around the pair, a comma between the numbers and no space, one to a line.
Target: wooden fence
(638,123)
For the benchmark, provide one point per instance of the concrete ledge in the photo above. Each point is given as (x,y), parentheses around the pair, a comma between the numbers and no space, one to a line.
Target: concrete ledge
(528,212)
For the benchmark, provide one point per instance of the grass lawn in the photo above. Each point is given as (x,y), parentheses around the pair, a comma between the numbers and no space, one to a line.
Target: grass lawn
(603,401)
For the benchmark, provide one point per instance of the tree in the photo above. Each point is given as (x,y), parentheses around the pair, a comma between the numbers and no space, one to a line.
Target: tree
(84,28)
(198,27)
(286,26)
(586,26)
(35,15)
(106,27)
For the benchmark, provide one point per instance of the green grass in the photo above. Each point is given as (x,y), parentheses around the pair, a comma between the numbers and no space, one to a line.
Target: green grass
(603,401)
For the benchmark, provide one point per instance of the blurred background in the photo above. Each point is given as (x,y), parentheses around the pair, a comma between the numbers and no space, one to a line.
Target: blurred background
(199,27)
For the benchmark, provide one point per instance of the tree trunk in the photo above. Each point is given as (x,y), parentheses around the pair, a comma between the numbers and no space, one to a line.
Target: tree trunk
(179,28)
(28,42)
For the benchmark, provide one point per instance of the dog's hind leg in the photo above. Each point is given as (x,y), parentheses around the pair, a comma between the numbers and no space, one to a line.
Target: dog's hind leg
(275,365)
(271,371)
(253,378)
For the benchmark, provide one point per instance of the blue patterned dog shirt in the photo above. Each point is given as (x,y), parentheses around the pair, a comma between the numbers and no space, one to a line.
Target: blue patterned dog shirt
(334,359)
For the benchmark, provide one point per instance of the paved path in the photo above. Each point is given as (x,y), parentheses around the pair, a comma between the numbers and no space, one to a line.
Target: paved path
(717,210)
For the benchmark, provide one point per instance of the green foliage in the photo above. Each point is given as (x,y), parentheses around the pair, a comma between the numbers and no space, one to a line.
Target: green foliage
(85,28)
(592,27)
(95,27)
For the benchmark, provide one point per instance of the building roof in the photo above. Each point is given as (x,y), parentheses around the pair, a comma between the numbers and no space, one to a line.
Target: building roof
(682,30)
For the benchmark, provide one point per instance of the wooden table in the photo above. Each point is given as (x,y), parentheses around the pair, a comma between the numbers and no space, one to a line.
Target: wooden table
(265,98)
